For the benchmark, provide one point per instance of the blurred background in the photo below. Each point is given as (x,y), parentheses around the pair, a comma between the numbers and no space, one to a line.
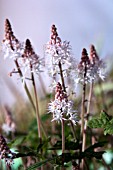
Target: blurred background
(80,22)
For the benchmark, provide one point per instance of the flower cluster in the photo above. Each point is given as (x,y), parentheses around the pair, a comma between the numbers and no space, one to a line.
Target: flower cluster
(57,51)
(23,53)
(5,152)
(97,65)
(90,67)
(30,60)
(61,107)
(12,47)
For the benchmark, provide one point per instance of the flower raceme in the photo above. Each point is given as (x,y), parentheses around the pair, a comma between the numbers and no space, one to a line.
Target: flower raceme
(23,53)
(30,60)
(61,107)
(11,46)
(57,51)
(97,65)
(90,68)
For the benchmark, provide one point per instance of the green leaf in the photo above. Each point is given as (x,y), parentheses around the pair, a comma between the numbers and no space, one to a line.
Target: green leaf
(17,141)
(103,121)
(26,154)
(96,145)
(69,145)
(97,155)
(39,164)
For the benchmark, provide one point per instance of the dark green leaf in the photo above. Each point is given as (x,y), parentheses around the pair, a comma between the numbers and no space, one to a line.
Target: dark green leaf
(17,141)
(39,164)
(96,145)
(69,145)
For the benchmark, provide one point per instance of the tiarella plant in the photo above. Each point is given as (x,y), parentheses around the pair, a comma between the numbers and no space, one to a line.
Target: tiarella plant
(58,58)
(66,138)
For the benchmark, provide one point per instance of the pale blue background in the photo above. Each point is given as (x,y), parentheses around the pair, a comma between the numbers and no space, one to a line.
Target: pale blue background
(81,22)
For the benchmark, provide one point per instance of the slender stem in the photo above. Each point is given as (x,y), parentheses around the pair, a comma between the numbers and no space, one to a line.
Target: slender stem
(25,85)
(62,77)
(37,107)
(87,114)
(37,110)
(63,122)
(73,131)
(31,100)
(63,142)
(83,103)
(63,136)
(63,125)
(83,112)
(28,93)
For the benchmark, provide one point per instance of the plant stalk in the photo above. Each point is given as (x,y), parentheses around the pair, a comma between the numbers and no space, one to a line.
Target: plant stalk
(83,113)
(62,77)
(87,114)
(31,100)
(37,107)
(63,122)
(37,110)
(63,136)
(25,85)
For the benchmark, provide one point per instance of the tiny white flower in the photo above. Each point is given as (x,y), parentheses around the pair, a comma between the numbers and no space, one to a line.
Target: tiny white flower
(74,118)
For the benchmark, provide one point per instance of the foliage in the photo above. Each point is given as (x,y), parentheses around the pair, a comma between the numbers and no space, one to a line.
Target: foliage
(69,139)
(103,121)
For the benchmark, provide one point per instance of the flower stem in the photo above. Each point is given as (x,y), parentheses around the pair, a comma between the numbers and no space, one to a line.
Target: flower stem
(63,122)
(25,85)
(87,114)
(37,110)
(31,100)
(63,136)
(63,142)
(83,112)
(62,77)
(37,107)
